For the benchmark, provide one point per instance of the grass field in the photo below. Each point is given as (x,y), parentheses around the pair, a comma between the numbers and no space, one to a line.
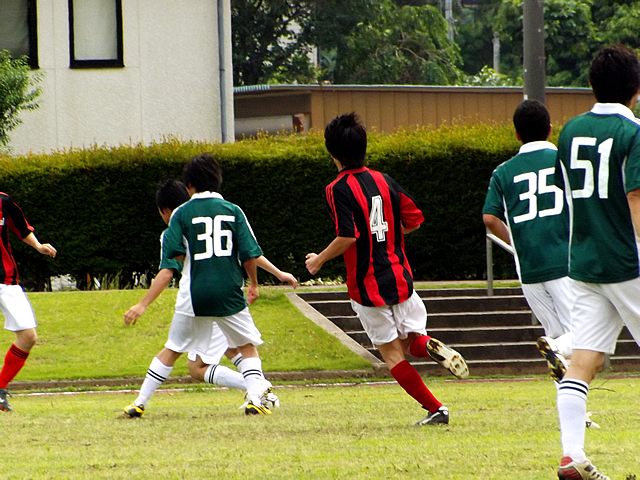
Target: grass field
(498,430)
(82,335)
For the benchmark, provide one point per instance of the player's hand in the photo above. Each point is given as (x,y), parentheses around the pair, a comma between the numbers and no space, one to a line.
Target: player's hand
(47,249)
(288,278)
(133,314)
(252,293)
(312,263)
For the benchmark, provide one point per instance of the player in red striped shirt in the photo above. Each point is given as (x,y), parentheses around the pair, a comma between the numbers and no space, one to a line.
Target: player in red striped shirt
(372,213)
(15,306)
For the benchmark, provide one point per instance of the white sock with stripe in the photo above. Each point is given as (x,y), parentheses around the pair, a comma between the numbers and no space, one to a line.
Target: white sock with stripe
(251,368)
(236,361)
(156,375)
(224,377)
(572,411)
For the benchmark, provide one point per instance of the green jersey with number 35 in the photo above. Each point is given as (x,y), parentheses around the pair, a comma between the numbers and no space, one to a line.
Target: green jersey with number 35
(599,152)
(216,239)
(523,194)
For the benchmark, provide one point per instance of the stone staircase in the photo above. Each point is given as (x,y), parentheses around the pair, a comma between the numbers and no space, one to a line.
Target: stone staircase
(495,334)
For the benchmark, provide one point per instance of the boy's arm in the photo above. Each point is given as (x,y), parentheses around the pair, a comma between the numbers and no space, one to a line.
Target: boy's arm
(251,267)
(157,286)
(45,249)
(406,230)
(497,227)
(266,265)
(338,246)
(633,197)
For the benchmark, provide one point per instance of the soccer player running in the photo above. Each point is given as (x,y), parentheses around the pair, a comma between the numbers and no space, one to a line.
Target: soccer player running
(522,193)
(599,154)
(15,306)
(214,240)
(372,213)
(204,366)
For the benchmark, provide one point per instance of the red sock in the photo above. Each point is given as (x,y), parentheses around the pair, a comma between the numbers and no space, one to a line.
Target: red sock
(418,347)
(13,363)
(409,379)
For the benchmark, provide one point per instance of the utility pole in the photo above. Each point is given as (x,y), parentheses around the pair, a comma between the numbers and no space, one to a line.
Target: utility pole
(496,52)
(533,50)
(448,15)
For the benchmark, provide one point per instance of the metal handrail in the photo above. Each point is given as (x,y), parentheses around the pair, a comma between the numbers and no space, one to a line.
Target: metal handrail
(491,239)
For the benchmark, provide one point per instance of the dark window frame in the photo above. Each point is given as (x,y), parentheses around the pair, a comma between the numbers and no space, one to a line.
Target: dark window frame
(32,20)
(111,63)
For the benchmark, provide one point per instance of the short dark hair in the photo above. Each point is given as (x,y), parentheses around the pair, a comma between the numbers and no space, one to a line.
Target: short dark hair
(346,139)
(171,194)
(614,75)
(532,121)
(203,173)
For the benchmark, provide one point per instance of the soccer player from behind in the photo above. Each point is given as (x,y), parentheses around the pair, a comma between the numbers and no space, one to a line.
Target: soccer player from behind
(522,193)
(15,306)
(599,155)
(214,240)
(203,366)
(372,213)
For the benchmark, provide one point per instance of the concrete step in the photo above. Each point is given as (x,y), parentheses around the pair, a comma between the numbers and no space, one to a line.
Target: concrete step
(495,334)
(453,320)
(334,306)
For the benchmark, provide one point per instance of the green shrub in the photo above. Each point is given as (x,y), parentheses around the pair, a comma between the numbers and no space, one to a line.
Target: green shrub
(97,206)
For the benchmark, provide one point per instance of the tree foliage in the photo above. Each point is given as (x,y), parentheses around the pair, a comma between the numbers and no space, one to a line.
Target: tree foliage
(269,43)
(17,93)
(405,41)
(361,41)
(407,45)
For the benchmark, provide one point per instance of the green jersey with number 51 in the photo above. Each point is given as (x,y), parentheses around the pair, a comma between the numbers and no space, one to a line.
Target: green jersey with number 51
(523,194)
(599,153)
(216,239)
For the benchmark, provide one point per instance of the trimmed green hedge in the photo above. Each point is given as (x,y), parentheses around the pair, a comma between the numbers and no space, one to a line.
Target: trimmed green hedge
(97,206)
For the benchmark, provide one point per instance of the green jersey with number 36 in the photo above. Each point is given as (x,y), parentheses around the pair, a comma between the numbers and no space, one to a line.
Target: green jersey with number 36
(599,152)
(523,194)
(216,239)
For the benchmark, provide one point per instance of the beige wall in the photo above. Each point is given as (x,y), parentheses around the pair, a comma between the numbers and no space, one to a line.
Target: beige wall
(387,108)
(385,111)
(169,85)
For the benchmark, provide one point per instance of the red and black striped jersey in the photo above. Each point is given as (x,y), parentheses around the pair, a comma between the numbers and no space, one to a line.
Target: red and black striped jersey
(11,220)
(373,208)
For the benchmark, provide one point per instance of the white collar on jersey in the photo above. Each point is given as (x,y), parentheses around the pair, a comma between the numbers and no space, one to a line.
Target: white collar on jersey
(206,195)
(612,109)
(535,146)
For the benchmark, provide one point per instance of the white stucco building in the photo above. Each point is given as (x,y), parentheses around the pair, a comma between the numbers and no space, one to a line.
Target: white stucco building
(122,71)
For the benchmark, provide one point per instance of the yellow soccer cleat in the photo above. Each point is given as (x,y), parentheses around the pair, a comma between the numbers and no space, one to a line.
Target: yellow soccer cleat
(252,409)
(134,411)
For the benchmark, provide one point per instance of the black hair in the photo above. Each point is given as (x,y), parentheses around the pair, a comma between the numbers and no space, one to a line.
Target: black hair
(203,173)
(171,194)
(614,75)
(346,139)
(532,121)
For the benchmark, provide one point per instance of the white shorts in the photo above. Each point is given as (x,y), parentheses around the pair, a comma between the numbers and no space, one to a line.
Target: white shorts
(385,324)
(189,333)
(16,309)
(601,310)
(217,347)
(551,304)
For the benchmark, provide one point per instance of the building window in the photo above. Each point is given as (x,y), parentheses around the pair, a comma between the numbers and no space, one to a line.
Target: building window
(95,33)
(18,29)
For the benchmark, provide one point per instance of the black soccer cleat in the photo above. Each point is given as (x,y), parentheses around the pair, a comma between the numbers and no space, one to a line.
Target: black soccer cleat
(439,417)
(4,402)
